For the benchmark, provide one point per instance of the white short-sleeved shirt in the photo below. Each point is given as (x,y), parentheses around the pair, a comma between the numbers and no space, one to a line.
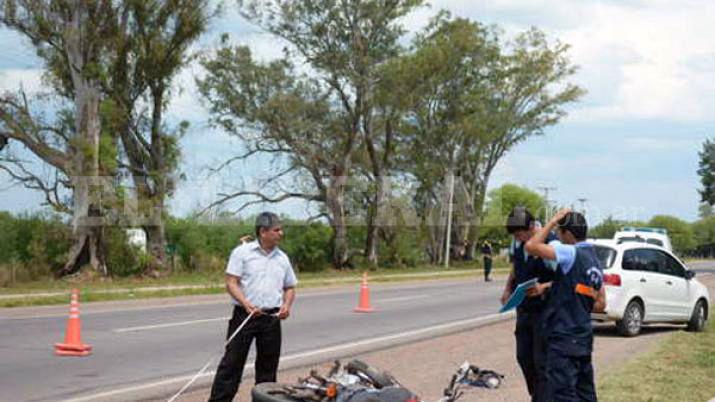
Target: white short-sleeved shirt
(264,276)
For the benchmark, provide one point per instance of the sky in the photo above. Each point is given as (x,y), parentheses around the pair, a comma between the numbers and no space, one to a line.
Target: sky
(629,147)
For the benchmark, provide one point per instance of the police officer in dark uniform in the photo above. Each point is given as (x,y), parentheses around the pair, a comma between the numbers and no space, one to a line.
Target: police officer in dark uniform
(529,339)
(575,292)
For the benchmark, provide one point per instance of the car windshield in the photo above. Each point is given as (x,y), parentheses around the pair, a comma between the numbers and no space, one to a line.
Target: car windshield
(606,256)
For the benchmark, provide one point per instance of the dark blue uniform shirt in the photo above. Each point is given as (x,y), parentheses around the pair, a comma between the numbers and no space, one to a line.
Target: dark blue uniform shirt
(527,267)
(567,315)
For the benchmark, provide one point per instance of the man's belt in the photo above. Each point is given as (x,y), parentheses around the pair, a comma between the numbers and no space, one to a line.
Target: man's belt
(273,310)
(586,291)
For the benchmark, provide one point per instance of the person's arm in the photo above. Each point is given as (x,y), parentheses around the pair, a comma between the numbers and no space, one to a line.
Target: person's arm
(508,288)
(537,246)
(288,297)
(600,305)
(538,289)
(233,286)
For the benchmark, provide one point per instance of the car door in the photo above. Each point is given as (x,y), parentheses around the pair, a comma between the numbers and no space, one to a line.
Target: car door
(642,266)
(677,286)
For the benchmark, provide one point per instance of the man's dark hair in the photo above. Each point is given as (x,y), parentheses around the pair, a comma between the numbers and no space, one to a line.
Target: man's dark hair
(266,220)
(575,223)
(519,219)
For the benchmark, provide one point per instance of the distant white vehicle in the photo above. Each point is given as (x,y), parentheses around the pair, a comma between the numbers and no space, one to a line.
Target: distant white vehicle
(137,238)
(656,236)
(648,284)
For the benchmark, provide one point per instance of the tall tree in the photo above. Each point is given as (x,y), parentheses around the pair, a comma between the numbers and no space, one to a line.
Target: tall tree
(318,122)
(706,171)
(478,97)
(152,46)
(70,36)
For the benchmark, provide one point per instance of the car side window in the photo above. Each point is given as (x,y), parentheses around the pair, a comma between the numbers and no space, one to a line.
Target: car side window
(672,266)
(644,260)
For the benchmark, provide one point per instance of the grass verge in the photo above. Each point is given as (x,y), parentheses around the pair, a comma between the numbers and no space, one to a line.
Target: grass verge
(680,368)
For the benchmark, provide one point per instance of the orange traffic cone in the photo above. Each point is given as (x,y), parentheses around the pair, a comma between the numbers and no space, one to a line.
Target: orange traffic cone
(364,302)
(73,345)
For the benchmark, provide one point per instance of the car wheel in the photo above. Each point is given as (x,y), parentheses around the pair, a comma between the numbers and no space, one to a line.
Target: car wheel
(269,392)
(699,318)
(632,320)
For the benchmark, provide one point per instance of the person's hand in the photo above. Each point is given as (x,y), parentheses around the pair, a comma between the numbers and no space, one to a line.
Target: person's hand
(538,289)
(251,309)
(560,215)
(284,312)
(504,296)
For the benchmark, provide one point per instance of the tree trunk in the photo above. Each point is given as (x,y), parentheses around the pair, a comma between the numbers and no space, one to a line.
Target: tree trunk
(87,223)
(376,215)
(156,245)
(336,206)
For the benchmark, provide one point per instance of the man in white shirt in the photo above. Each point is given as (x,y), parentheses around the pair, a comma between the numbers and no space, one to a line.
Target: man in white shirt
(260,280)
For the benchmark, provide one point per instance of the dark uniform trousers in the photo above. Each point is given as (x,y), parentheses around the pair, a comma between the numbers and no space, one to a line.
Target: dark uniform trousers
(266,330)
(487,267)
(531,353)
(570,378)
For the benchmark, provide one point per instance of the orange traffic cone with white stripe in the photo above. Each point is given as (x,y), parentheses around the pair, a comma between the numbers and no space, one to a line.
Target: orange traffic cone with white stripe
(364,302)
(73,345)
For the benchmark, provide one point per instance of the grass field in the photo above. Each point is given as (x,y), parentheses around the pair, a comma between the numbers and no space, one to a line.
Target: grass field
(181,284)
(681,368)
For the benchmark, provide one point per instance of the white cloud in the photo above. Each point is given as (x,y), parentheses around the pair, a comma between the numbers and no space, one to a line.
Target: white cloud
(639,59)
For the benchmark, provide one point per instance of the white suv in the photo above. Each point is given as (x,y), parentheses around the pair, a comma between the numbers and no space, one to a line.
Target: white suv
(646,283)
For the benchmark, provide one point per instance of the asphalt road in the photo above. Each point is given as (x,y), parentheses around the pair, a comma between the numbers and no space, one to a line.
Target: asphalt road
(151,344)
(702,266)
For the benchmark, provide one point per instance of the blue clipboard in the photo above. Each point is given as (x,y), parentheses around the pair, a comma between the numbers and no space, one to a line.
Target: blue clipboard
(518,295)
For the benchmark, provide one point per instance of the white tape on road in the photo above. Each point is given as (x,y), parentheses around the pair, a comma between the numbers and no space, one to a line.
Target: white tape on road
(167,325)
(302,355)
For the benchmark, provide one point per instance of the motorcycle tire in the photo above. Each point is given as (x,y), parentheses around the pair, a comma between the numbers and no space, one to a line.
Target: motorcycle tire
(379,379)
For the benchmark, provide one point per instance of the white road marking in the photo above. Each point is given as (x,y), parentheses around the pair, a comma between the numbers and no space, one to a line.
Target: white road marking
(296,356)
(167,325)
(403,298)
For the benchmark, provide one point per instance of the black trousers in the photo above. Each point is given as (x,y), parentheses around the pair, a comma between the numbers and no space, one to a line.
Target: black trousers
(487,267)
(531,353)
(266,330)
(570,378)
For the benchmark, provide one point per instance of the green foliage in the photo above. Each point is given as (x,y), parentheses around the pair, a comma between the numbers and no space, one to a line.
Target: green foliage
(501,201)
(38,245)
(123,259)
(704,231)
(609,226)
(202,245)
(679,231)
(706,171)
(307,245)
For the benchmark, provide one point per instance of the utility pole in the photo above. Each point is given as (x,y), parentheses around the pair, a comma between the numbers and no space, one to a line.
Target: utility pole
(547,201)
(583,204)
(449,219)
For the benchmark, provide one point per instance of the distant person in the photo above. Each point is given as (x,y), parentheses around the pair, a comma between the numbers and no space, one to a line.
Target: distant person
(576,291)
(530,346)
(260,280)
(487,254)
